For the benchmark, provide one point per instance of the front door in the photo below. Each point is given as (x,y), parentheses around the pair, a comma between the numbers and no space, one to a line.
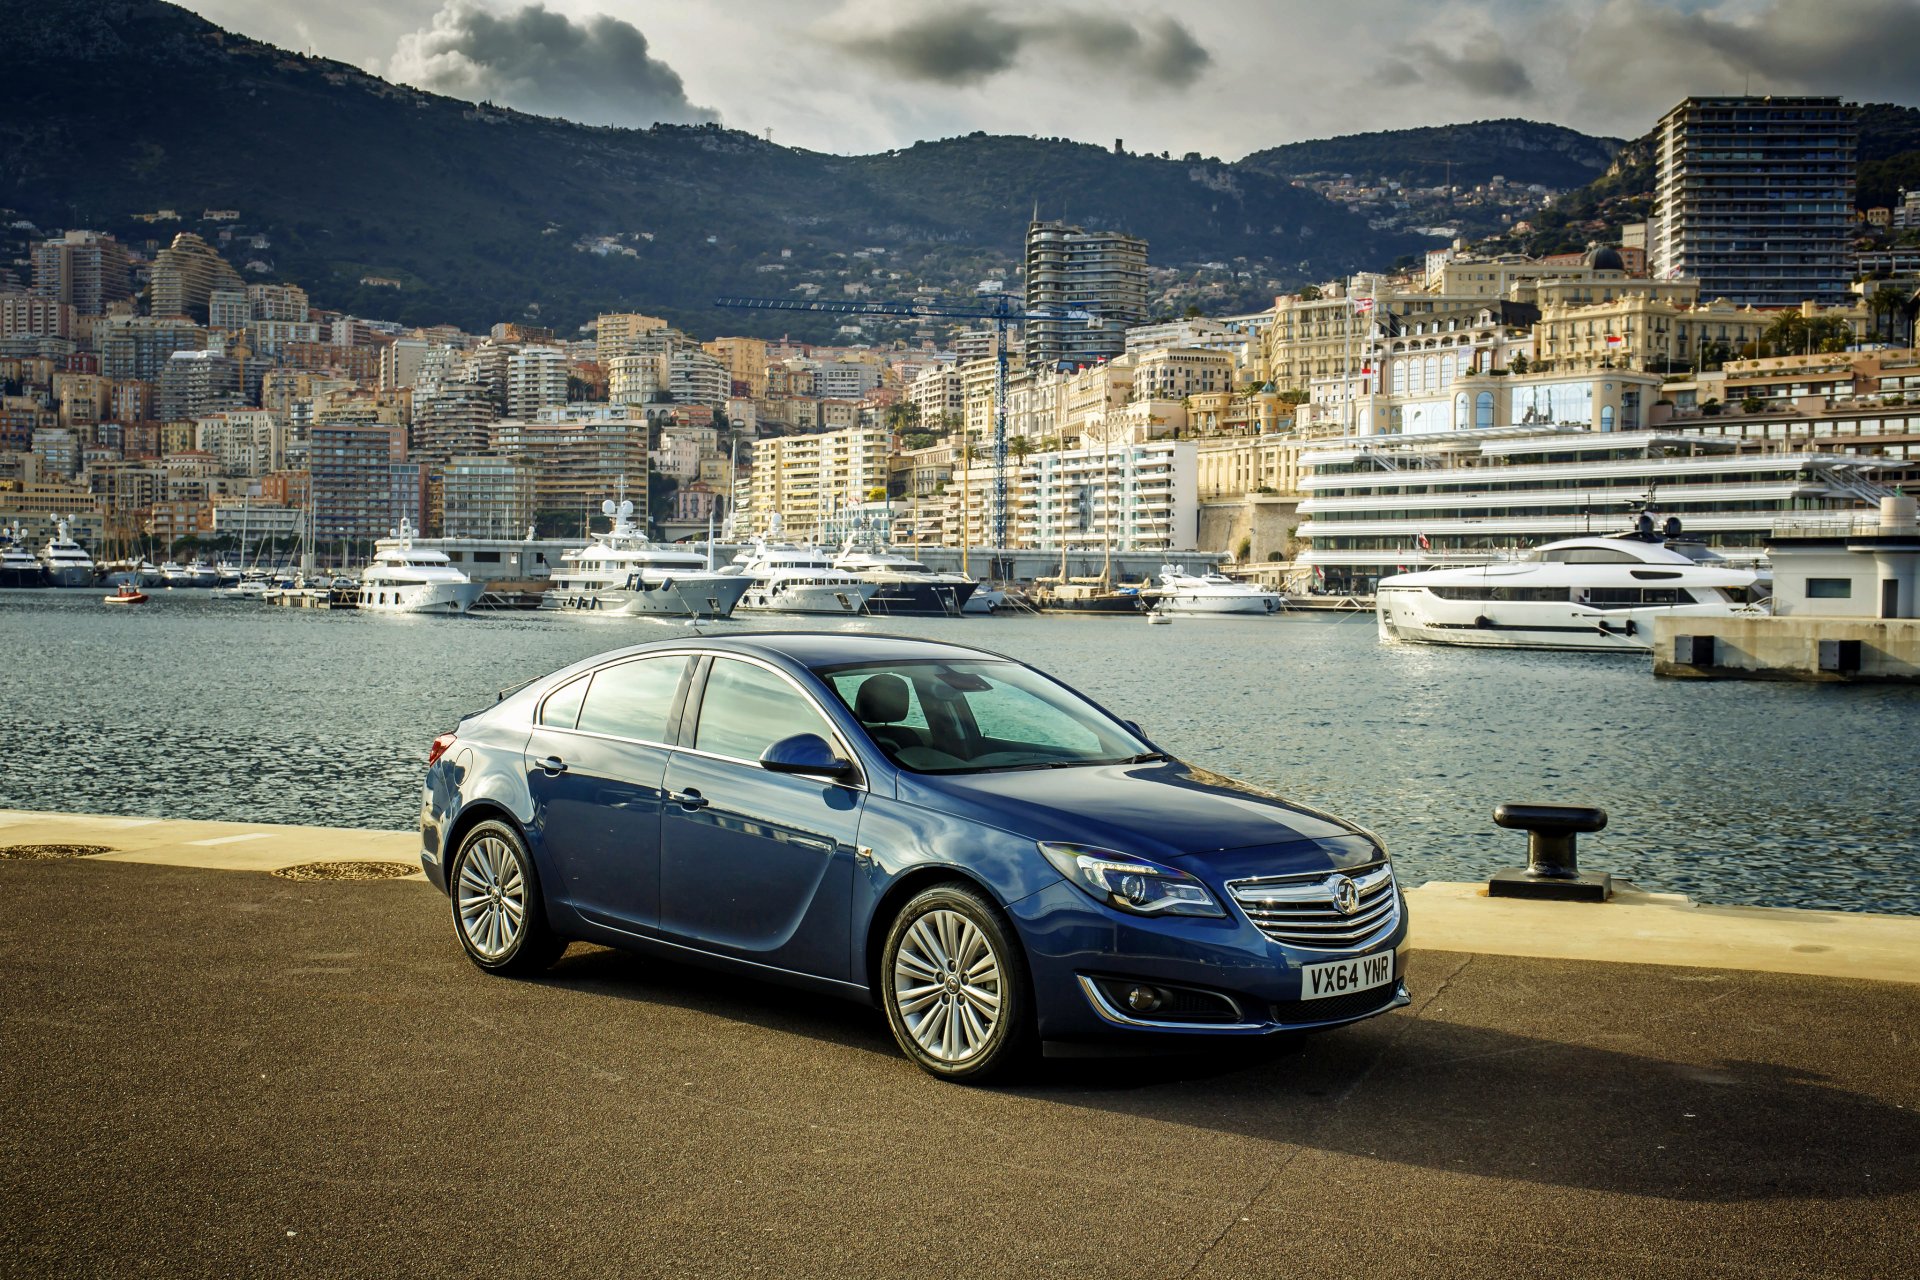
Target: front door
(1889,597)
(757,865)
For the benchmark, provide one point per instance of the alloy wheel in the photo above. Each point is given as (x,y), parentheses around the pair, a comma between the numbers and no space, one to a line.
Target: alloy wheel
(947,985)
(492,901)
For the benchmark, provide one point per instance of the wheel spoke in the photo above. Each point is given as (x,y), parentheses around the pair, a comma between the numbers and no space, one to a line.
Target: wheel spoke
(927,1031)
(914,999)
(929,944)
(914,963)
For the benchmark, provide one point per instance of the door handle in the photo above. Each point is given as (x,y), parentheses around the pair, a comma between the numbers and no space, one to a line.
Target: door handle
(553,766)
(688,799)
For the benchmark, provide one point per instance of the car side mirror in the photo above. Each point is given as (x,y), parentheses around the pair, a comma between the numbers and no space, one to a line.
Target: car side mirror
(804,753)
(1138,732)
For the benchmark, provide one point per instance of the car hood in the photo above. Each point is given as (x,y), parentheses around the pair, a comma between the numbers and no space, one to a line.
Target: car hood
(1157,810)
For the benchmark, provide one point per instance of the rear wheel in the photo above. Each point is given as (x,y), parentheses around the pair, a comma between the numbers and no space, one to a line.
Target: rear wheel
(497,909)
(955,986)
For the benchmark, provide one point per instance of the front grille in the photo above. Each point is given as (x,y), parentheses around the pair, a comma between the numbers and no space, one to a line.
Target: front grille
(1336,1008)
(1302,910)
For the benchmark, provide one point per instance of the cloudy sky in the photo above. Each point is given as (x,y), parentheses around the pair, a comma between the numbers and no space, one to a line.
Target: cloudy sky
(1223,78)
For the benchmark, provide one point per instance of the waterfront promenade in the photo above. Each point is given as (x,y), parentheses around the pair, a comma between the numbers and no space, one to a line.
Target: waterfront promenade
(215,1070)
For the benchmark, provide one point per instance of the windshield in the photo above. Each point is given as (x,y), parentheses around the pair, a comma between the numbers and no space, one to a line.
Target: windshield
(976,716)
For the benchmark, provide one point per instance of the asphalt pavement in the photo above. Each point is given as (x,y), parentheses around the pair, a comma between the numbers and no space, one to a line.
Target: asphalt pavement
(221,1072)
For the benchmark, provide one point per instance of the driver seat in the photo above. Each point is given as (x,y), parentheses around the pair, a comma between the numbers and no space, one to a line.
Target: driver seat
(880,706)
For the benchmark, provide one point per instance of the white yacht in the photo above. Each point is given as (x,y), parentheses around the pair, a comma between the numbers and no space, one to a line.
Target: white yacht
(1212,593)
(786,578)
(252,584)
(197,574)
(621,573)
(18,566)
(407,579)
(66,562)
(906,587)
(1597,594)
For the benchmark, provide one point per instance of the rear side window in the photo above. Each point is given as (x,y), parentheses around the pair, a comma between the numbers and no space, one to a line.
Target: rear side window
(747,709)
(634,699)
(562,706)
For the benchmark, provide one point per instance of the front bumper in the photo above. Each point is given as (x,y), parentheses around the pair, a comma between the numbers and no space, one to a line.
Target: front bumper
(1080,952)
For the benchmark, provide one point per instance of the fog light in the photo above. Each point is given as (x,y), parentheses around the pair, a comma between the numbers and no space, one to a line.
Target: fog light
(1144,999)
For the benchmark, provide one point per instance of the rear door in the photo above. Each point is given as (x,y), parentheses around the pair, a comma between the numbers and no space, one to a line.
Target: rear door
(596,784)
(757,865)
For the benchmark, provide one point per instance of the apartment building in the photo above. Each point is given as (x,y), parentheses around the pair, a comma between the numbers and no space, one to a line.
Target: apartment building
(578,465)
(1128,496)
(485,497)
(536,379)
(185,276)
(746,361)
(804,479)
(1070,269)
(1754,198)
(616,331)
(88,270)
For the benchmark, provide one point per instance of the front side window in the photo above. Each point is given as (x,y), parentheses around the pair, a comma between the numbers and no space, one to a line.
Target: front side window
(975,716)
(634,699)
(747,708)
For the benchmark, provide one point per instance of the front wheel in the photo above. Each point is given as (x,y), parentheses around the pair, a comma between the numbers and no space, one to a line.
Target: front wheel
(497,910)
(955,985)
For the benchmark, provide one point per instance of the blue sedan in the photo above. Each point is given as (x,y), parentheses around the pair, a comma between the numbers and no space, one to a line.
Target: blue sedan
(992,858)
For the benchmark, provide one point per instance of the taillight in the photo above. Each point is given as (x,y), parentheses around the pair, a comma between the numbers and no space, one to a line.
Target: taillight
(439,747)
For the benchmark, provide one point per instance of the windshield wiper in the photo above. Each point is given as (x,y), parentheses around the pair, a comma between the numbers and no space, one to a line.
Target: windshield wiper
(1147,757)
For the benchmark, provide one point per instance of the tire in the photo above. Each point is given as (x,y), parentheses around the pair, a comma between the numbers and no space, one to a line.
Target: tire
(498,913)
(970,1032)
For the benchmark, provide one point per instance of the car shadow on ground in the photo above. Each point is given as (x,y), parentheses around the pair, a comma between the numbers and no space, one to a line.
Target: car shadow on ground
(1415,1091)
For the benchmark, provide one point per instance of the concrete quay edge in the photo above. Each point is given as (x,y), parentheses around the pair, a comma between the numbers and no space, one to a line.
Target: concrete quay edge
(1637,927)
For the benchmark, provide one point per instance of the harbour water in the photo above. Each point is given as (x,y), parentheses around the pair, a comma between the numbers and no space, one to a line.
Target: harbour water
(1777,795)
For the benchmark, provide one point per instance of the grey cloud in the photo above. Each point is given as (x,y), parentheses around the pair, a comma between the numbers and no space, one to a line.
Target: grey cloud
(596,70)
(1482,67)
(959,47)
(1647,55)
(973,43)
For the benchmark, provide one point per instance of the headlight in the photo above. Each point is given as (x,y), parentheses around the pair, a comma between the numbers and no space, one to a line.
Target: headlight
(1129,883)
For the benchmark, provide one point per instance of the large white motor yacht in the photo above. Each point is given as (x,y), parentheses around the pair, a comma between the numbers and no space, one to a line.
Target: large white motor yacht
(407,579)
(19,567)
(1596,594)
(1212,593)
(786,578)
(66,562)
(906,587)
(622,574)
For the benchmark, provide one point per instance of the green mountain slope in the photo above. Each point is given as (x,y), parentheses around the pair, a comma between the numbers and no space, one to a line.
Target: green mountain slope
(1521,151)
(116,107)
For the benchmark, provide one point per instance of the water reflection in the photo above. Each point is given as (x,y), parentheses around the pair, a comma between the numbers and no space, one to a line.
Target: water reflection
(1732,792)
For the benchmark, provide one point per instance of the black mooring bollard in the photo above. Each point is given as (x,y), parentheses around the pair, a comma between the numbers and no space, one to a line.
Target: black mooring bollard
(1553,867)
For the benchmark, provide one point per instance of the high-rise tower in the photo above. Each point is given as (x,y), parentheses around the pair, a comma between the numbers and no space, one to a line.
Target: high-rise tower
(1754,199)
(1102,273)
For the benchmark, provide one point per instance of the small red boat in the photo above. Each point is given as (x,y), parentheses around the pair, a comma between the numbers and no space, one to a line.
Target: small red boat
(127,594)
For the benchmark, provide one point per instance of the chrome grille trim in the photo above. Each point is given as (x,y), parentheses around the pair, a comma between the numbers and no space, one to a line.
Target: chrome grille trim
(1298,910)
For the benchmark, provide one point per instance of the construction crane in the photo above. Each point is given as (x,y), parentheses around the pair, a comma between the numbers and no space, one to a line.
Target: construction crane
(1004,311)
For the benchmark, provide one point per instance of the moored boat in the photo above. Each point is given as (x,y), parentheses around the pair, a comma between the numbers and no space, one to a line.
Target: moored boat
(407,579)
(1597,594)
(1211,594)
(623,573)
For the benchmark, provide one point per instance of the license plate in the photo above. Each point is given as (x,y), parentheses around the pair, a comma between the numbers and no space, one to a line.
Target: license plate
(1344,977)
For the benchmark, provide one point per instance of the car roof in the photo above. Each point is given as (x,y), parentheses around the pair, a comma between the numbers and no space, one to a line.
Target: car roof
(813,648)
